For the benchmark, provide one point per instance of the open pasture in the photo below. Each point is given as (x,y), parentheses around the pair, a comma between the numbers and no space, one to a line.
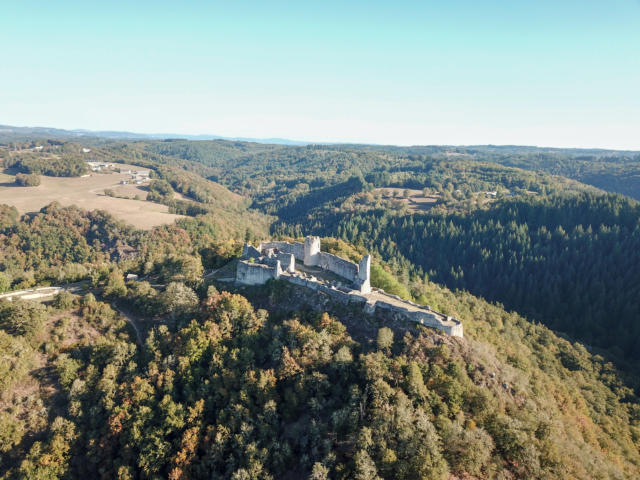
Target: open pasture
(88,193)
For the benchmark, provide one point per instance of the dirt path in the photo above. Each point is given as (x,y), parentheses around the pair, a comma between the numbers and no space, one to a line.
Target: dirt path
(131,321)
(42,292)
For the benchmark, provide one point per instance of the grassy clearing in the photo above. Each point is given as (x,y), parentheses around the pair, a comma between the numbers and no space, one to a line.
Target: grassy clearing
(415,200)
(88,193)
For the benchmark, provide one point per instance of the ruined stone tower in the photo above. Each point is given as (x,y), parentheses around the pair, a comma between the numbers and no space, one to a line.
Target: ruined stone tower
(311,251)
(363,282)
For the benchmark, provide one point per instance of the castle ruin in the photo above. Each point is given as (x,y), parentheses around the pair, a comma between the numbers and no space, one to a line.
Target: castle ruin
(305,264)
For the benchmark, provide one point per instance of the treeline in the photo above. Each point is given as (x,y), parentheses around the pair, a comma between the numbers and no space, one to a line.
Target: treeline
(52,166)
(67,244)
(611,172)
(278,177)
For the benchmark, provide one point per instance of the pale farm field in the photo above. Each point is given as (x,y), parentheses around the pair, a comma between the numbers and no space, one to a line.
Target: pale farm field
(88,193)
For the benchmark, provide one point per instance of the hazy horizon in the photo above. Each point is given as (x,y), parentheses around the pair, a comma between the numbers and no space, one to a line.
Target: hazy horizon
(412,73)
(285,140)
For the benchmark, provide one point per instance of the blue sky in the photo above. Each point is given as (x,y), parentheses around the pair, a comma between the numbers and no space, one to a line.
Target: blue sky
(552,73)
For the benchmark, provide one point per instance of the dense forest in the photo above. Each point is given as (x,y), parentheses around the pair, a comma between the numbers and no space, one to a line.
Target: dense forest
(64,165)
(552,249)
(178,375)
(236,162)
(563,261)
(220,388)
(66,244)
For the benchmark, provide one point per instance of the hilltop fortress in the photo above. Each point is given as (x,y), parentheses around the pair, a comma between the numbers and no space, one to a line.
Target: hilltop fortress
(305,264)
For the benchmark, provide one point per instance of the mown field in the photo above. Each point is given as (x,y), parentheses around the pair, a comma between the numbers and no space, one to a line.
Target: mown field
(88,193)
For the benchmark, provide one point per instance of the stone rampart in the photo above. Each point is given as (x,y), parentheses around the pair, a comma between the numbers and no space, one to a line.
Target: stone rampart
(298,251)
(333,292)
(337,265)
(249,251)
(431,319)
(256,274)
(288,261)
(296,248)
(284,247)
(381,308)
(271,257)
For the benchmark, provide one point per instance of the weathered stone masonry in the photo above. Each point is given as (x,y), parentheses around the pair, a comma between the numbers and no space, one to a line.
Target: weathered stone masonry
(278,260)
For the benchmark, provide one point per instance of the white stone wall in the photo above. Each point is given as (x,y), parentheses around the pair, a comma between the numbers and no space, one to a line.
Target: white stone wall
(256,274)
(338,265)
(296,248)
(309,252)
(249,251)
(288,261)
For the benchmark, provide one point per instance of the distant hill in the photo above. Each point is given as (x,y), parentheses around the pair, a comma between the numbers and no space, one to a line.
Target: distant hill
(9,133)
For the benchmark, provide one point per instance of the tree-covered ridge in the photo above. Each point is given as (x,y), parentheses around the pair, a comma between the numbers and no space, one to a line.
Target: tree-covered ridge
(611,171)
(220,389)
(59,244)
(269,172)
(67,244)
(234,162)
(211,153)
(51,158)
(570,262)
(232,392)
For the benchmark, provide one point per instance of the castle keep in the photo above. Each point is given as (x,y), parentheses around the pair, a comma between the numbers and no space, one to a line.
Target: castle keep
(305,264)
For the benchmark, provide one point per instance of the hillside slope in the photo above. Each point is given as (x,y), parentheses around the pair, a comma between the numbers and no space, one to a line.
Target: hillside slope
(234,392)
(220,387)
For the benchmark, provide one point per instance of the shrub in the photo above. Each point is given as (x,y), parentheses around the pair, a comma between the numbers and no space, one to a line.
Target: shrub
(27,179)
(63,301)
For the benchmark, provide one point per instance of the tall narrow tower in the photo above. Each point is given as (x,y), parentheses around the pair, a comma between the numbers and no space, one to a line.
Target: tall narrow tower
(364,274)
(311,251)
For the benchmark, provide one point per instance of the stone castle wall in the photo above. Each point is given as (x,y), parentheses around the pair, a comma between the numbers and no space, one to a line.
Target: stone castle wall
(249,251)
(255,273)
(428,319)
(288,261)
(274,256)
(337,265)
(296,248)
(327,261)
(380,308)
